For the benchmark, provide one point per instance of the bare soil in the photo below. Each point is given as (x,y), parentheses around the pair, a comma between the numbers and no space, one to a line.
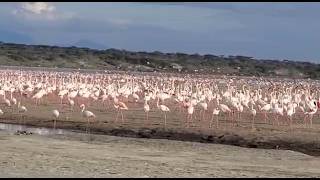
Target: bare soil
(111,156)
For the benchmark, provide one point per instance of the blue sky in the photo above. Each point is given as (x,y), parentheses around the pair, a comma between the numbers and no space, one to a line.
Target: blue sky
(261,30)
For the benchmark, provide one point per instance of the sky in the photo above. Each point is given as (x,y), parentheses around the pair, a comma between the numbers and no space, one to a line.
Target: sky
(263,30)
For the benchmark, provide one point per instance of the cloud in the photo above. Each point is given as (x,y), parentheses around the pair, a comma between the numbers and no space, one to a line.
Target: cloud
(40,11)
(38,7)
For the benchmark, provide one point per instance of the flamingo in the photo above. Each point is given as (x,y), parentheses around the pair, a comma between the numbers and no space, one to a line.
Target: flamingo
(164,109)
(190,111)
(310,113)
(278,111)
(71,103)
(240,110)
(224,108)
(7,102)
(253,112)
(87,114)
(290,112)
(204,107)
(104,98)
(136,97)
(14,100)
(22,110)
(55,114)
(265,109)
(146,109)
(37,97)
(215,112)
(120,106)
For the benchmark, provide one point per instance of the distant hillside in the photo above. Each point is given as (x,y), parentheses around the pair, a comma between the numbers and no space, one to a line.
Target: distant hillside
(90,44)
(114,59)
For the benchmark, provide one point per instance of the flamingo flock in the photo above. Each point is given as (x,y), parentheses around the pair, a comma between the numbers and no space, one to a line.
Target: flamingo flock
(233,100)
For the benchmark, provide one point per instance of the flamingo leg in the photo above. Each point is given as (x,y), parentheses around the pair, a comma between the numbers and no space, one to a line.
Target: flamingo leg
(211,121)
(122,117)
(304,121)
(273,120)
(252,121)
(117,115)
(54,124)
(148,117)
(233,119)
(187,120)
(217,120)
(88,126)
(192,120)
(20,121)
(165,119)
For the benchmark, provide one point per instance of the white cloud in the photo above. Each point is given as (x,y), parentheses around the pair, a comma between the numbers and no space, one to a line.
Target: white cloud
(38,7)
(40,11)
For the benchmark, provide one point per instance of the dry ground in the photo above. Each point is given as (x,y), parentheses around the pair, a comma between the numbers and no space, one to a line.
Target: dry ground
(110,156)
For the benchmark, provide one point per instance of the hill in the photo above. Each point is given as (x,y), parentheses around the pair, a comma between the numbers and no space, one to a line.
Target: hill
(115,59)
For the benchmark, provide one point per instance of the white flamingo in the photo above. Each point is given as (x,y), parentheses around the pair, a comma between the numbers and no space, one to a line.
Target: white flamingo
(312,110)
(204,108)
(224,108)
(71,103)
(146,109)
(253,112)
(55,114)
(265,109)
(88,115)
(22,110)
(120,106)
(215,112)
(190,111)
(164,109)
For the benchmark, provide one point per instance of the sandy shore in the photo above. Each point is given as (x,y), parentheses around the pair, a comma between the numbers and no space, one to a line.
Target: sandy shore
(109,156)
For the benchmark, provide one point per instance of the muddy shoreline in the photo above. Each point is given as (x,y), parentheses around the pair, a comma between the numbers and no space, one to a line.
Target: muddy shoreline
(242,138)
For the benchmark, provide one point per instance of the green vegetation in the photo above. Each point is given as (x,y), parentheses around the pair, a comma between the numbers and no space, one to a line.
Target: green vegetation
(114,59)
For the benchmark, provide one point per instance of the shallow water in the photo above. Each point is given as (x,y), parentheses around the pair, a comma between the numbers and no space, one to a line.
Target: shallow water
(12,128)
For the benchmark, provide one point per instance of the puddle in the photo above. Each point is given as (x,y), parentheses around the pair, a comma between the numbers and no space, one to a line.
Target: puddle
(13,128)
